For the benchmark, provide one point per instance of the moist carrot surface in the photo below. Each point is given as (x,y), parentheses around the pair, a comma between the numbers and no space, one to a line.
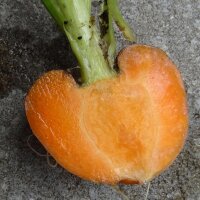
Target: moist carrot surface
(127,128)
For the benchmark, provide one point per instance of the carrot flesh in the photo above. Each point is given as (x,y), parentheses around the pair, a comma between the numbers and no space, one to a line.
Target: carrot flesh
(127,128)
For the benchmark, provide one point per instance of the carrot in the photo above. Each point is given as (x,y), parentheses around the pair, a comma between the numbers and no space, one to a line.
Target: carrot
(117,127)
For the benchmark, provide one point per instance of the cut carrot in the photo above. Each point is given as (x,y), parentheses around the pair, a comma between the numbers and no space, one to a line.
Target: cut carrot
(127,128)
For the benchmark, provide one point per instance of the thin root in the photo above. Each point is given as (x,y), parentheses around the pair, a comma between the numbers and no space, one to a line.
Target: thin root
(49,162)
(72,68)
(147,193)
(32,149)
(47,155)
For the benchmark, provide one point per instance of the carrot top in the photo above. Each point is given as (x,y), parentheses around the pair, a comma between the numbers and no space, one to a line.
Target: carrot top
(94,48)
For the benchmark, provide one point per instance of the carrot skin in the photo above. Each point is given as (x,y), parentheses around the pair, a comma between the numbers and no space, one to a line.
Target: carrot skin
(128,128)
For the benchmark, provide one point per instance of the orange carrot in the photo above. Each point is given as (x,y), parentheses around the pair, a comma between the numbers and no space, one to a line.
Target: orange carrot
(126,127)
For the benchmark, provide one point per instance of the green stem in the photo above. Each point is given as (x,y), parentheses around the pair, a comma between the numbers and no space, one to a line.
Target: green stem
(119,20)
(107,33)
(74,17)
(110,13)
(54,10)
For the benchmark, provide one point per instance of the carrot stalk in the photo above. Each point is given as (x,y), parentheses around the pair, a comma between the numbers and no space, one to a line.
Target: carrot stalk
(95,53)
(107,33)
(119,20)
(109,14)
(54,10)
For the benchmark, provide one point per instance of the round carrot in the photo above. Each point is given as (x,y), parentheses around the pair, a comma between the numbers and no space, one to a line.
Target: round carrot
(126,127)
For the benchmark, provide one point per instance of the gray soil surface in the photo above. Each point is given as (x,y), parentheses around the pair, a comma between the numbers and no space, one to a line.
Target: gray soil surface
(31,44)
